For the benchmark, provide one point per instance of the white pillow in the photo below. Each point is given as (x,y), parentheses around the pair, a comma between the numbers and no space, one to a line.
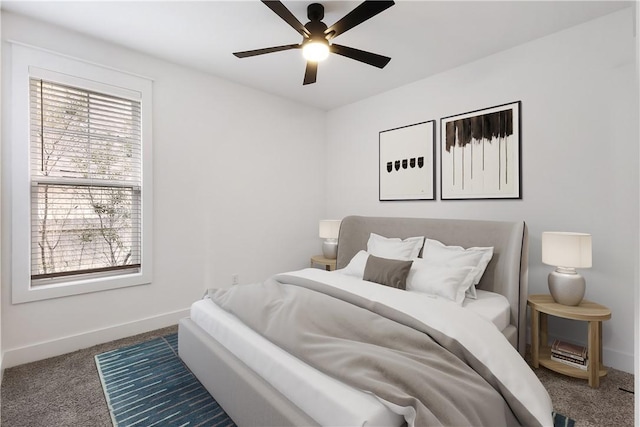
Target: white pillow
(443,281)
(436,253)
(357,265)
(394,248)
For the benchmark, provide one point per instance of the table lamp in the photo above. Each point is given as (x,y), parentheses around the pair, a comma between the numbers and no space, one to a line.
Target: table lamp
(328,230)
(566,251)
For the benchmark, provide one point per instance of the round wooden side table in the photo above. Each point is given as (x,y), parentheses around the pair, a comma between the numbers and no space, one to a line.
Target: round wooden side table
(329,264)
(587,311)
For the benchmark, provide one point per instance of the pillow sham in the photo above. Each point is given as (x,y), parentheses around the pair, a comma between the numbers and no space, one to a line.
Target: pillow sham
(440,280)
(437,253)
(388,272)
(394,248)
(357,265)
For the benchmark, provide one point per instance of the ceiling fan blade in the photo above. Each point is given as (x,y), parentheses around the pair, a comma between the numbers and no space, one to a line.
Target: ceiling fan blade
(287,16)
(360,55)
(310,73)
(248,53)
(357,16)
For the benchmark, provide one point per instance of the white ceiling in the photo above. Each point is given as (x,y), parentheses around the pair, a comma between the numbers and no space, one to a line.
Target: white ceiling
(422,37)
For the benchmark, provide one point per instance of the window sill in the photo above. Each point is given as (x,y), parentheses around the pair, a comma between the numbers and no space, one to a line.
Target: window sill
(42,292)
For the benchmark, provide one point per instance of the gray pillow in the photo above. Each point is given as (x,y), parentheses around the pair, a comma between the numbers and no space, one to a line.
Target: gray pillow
(388,272)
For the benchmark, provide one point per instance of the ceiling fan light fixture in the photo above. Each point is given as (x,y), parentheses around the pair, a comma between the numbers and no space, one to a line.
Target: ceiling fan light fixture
(316,35)
(315,50)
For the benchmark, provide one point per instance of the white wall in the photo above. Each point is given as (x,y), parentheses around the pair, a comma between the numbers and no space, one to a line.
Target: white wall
(579,156)
(637,293)
(1,352)
(238,188)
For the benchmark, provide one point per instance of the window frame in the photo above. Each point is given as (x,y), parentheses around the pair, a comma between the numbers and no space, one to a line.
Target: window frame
(29,62)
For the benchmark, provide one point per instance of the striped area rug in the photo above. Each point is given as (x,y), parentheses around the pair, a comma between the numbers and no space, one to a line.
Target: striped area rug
(560,420)
(147,384)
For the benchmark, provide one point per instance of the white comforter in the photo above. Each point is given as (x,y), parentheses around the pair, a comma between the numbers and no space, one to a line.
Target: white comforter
(476,334)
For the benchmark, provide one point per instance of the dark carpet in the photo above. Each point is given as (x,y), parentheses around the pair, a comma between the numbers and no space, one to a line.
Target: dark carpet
(66,391)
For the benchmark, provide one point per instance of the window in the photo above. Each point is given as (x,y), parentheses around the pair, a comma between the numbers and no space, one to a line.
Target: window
(85,183)
(85,147)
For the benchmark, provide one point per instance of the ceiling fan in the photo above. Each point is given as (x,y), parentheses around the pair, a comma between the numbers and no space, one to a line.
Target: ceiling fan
(316,36)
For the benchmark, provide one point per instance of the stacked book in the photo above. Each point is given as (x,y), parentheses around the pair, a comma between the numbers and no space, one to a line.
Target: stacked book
(570,354)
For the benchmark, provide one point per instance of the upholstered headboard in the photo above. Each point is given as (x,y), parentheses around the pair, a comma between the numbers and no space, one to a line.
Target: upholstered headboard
(506,274)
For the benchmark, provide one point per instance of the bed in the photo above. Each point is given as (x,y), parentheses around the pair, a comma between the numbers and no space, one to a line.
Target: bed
(259,383)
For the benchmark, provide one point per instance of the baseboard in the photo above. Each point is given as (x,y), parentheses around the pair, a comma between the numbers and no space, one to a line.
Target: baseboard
(44,350)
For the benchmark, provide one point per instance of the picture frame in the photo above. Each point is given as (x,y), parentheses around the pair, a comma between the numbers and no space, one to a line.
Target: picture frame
(407,162)
(480,154)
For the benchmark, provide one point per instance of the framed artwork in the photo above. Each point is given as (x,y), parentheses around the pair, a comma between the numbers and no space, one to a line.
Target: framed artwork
(480,154)
(407,159)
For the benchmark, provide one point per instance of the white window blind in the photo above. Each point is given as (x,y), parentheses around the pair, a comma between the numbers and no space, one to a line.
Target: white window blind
(85,183)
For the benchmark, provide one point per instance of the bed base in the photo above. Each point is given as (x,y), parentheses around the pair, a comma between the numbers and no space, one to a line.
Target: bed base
(245,397)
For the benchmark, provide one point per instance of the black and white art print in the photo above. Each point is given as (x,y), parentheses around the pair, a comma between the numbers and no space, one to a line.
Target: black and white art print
(407,159)
(480,154)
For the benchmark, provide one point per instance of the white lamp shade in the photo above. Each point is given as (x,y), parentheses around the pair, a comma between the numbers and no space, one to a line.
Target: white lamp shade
(329,228)
(562,249)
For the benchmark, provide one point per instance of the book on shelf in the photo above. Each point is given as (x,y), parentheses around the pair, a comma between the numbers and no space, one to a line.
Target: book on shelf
(570,362)
(572,351)
(571,359)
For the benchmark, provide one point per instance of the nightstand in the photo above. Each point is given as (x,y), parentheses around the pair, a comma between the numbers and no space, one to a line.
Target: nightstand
(543,306)
(328,264)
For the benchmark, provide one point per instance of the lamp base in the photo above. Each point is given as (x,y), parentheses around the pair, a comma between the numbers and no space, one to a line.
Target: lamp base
(330,248)
(567,287)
